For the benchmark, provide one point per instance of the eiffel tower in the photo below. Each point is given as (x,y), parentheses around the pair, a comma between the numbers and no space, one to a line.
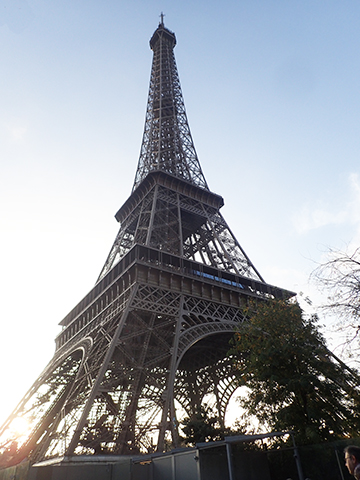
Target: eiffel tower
(150,340)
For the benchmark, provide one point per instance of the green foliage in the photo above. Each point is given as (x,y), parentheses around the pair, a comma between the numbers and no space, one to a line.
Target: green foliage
(293,381)
(203,426)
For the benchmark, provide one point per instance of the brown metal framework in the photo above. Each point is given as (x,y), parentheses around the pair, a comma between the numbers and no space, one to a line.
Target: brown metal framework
(152,336)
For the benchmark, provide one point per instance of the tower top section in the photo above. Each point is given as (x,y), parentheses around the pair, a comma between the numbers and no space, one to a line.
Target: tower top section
(171,209)
(167,144)
(162,31)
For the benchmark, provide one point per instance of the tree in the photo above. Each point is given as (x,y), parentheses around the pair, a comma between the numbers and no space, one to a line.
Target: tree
(339,277)
(203,426)
(294,382)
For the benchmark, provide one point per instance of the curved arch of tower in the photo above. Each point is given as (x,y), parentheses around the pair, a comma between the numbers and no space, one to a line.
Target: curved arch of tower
(152,336)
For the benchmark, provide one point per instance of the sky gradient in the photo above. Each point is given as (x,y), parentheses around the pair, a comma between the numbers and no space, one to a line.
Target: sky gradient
(272,93)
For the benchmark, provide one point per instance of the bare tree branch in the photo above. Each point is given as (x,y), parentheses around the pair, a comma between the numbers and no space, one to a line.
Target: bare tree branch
(339,278)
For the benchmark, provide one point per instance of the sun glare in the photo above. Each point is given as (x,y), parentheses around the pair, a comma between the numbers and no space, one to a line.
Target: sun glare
(20,427)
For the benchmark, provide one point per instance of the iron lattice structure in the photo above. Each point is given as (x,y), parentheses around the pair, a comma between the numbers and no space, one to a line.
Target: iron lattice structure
(151,338)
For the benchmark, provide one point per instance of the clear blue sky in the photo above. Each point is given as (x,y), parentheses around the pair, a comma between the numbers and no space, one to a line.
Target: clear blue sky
(272,92)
